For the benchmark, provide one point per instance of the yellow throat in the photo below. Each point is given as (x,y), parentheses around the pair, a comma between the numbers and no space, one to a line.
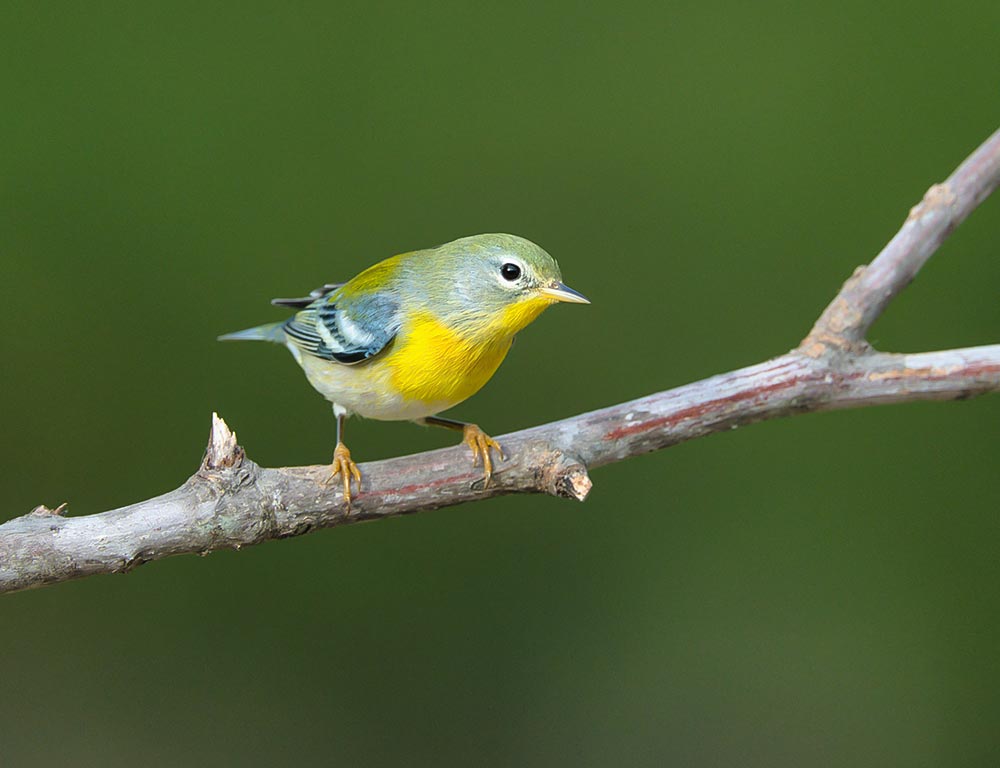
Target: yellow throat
(437,364)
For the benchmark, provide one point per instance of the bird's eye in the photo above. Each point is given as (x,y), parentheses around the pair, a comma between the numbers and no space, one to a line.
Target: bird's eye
(510,271)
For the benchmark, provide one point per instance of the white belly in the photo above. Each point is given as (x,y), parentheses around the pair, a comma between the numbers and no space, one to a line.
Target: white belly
(363,389)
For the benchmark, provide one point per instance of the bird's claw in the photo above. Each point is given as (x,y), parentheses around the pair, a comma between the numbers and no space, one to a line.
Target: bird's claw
(344,466)
(481,444)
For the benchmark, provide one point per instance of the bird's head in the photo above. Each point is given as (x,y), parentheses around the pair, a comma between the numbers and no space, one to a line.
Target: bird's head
(501,282)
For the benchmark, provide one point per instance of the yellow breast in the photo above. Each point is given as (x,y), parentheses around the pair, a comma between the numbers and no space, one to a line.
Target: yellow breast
(433,363)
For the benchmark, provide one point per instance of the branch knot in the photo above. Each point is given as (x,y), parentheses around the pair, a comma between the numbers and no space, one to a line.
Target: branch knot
(564,476)
(937,196)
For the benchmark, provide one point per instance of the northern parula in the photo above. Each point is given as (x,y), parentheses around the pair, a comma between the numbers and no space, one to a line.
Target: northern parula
(418,333)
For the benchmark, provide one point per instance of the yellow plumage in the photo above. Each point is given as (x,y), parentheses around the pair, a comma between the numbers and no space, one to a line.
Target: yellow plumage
(461,365)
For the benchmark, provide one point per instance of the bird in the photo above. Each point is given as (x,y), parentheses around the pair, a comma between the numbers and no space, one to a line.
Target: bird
(416,334)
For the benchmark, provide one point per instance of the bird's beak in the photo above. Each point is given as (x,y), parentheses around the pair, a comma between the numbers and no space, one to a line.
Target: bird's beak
(559,292)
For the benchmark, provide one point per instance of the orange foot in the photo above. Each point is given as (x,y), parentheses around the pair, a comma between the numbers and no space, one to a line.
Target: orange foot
(481,443)
(344,466)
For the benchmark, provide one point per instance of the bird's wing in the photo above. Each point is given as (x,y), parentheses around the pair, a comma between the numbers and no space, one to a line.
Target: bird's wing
(305,301)
(348,329)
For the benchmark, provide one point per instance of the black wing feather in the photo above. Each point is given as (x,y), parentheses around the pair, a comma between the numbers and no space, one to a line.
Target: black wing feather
(305,301)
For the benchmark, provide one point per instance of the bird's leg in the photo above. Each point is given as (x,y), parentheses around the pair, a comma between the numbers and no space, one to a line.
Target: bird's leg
(343,465)
(476,439)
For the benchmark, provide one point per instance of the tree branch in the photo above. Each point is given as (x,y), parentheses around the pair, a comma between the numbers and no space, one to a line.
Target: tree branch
(868,292)
(231,502)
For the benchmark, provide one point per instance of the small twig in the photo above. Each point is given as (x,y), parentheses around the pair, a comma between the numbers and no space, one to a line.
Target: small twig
(231,502)
(868,292)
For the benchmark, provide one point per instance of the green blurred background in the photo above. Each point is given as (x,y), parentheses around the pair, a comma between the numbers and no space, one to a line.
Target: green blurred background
(815,591)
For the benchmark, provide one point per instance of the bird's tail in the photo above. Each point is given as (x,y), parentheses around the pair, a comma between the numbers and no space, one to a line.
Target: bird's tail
(270,332)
